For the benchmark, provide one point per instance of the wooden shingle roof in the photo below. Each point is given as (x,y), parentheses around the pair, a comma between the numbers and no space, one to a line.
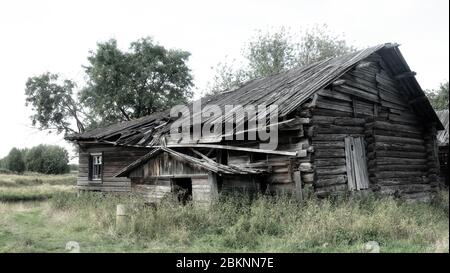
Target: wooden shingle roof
(288,90)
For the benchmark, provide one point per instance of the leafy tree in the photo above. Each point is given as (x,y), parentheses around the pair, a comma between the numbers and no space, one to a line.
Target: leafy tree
(53,103)
(439,97)
(121,85)
(227,77)
(318,43)
(48,159)
(15,161)
(270,53)
(125,85)
(3,163)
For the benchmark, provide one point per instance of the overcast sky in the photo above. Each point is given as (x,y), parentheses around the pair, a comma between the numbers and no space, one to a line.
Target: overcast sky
(56,36)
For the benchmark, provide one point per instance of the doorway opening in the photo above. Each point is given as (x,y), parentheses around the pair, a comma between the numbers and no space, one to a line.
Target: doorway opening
(182,188)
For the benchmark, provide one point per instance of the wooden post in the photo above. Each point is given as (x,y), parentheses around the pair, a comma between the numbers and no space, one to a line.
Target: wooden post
(121,216)
(298,185)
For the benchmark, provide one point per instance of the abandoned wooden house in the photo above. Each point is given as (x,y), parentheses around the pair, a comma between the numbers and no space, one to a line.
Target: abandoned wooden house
(359,122)
(442,139)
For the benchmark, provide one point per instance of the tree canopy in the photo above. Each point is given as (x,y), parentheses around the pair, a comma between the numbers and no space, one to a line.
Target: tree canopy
(48,159)
(120,85)
(273,52)
(126,85)
(439,97)
(53,103)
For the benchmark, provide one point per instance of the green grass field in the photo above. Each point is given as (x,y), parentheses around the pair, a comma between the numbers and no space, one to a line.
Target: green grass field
(42,213)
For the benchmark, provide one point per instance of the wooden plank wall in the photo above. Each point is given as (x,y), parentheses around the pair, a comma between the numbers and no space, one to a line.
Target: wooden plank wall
(154,189)
(369,103)
(165,164)
(114,159)
(282,168)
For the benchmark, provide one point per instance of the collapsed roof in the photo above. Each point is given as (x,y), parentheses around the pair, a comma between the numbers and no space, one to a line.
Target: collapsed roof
(204,162)
(288,90)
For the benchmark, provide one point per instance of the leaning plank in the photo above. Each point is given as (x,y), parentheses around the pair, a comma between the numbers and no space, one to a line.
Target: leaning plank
(349,163)
(235,148)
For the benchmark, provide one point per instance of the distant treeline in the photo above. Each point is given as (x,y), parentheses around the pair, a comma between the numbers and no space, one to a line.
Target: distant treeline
(47,159)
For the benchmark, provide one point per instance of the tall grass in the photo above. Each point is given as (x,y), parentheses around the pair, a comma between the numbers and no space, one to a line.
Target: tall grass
(236,223)
(33,186)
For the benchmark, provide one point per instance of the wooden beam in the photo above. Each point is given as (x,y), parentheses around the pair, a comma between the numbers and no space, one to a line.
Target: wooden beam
(338,82)
(408,74)
(235,148)
(417,99)
(363,65)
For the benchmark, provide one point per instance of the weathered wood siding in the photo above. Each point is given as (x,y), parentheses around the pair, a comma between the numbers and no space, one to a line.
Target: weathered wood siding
(153,180)
(370,104)
(281,168)
(165,165)
(114,159)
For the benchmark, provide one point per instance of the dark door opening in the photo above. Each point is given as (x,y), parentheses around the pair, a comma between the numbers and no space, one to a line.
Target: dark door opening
(182,188)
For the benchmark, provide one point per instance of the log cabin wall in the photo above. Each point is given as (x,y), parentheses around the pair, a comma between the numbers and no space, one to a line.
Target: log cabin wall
(367,102)
(114,159)
(282,169)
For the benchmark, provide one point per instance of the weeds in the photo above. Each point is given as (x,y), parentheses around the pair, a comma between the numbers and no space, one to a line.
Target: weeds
(241,224)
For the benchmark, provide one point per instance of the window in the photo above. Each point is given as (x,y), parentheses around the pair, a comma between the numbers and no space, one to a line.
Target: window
(96,167)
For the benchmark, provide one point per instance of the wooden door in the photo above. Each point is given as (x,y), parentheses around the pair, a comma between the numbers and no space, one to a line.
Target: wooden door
(355,157)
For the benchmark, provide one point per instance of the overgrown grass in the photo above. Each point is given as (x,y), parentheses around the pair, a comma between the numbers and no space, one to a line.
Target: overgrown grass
(270,223)
(232,224)
(33,186)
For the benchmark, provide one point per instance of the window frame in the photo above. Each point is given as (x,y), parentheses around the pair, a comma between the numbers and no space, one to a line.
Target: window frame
(93,165)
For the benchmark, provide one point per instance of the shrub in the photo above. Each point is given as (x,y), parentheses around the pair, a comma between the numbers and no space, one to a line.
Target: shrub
(5,171)
(15,161)
(48,159)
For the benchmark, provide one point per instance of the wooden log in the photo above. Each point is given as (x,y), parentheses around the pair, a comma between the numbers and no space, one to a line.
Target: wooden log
(401,181)
(401,140)
(327,153)
(397,167)
(363,85)
(334,95)
(396,154)
(331,170)
(329,162)
(357,92)
(331,113)
(335,180)
(334,105)
(383,132)
(331,190)
(396,147)
(401,161)
(331,137)
(328,145)
(395,127)
(338,129)
(308,177)
(344,121)
(398,174)
(306,167)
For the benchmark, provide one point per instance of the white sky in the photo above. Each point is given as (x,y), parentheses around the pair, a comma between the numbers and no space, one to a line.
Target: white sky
(55,36)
